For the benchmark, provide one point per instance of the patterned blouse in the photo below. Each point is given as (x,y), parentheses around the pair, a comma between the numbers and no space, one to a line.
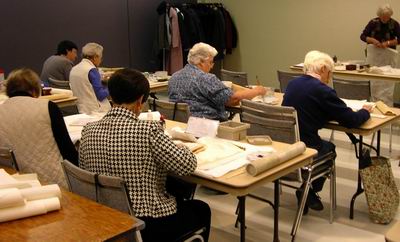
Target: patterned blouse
(205,94)
(139,152)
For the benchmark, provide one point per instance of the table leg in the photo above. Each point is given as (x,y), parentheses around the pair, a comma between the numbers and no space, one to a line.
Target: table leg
(359,190)
(276,210)
(242,218)
(378,143)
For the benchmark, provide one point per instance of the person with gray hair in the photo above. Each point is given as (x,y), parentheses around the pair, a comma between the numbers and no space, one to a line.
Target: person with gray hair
(205,94)
(382,31)
(85,81)
(316,104)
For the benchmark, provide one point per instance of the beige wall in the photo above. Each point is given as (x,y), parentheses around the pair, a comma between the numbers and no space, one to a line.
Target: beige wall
(274,34)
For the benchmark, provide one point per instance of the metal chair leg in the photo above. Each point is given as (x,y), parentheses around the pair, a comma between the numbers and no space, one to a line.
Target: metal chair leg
(300,210)
(332,195)
(333,178)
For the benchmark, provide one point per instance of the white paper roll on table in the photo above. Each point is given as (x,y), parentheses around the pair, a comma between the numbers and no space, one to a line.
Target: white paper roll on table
(47,191)
(258,166)
(31,208)
(11,197)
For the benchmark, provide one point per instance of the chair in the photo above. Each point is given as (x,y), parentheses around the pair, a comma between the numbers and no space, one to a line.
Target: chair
(284,78)
(59,84)
(7,158)
(172,111)
(110,191)
(352,89)
(107,190)
(238,78)
(281,124)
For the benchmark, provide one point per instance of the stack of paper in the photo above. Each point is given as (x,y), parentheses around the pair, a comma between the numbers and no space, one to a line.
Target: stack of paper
(22,196)
(76,122)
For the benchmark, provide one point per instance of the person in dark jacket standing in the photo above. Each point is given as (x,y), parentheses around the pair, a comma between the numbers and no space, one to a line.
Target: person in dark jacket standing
(383,31)
(316,104)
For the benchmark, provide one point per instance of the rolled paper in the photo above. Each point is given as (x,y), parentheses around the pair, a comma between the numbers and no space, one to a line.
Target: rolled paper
(381,106)
(35,193)
(11,197)
(7,181)
(31,208)
(258,166)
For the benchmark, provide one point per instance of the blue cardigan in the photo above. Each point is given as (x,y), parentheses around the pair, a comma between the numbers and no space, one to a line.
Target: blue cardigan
(316,104)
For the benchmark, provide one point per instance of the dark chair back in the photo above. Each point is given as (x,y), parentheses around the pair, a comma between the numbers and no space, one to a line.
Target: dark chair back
(352,89)
(285,77)
(172,111)
(279,122)
(238,78)
(59,84)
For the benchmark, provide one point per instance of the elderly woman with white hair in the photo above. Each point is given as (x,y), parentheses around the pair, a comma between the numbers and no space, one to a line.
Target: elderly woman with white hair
(316,104)
(205,94)
(85,81)
(382,31)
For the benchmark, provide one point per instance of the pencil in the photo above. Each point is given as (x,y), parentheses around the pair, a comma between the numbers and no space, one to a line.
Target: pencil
(258,81)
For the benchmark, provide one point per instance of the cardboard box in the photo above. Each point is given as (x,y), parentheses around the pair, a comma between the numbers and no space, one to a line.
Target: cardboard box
(232,130)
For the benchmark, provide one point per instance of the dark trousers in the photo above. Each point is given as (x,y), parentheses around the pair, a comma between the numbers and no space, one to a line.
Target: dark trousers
(192,215)
(325,148)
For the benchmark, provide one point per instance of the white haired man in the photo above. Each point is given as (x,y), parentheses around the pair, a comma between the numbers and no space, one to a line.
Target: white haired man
(382,31)
(85,81)
(316,104)
(205,94)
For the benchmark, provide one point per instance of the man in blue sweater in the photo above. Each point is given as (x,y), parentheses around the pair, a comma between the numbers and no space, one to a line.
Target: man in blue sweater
(316,104)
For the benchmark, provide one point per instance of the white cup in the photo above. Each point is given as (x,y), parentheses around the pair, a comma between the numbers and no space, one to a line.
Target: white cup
(269,92)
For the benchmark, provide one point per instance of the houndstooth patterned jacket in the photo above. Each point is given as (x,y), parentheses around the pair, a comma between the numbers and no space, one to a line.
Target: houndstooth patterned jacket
(140,153)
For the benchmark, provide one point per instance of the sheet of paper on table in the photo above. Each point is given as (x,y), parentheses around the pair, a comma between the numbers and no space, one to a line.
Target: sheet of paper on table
(201,127)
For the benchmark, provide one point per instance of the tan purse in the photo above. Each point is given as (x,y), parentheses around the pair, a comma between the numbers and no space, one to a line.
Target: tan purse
(380,189)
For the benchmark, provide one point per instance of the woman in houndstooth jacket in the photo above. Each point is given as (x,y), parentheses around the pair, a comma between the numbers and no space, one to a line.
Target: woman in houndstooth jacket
(140,153)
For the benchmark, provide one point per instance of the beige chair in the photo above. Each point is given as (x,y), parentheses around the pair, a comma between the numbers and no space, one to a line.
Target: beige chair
(281,124)
(172,111)
(59,84)
(112,192)
(352,89)
(7,158)
(238,78)
(285,77)
(107,190)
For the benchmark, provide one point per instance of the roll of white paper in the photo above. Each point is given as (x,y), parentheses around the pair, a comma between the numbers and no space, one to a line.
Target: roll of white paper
(31,208)
(35,193)
(261,165)
(11,197)
(51,204)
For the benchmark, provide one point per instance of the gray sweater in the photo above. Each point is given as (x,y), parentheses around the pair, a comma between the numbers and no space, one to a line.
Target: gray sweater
(56,67)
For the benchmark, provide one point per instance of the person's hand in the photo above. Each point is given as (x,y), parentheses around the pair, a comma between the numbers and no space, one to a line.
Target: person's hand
(367,107)
(260,90)
(375,42)
(385,44)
